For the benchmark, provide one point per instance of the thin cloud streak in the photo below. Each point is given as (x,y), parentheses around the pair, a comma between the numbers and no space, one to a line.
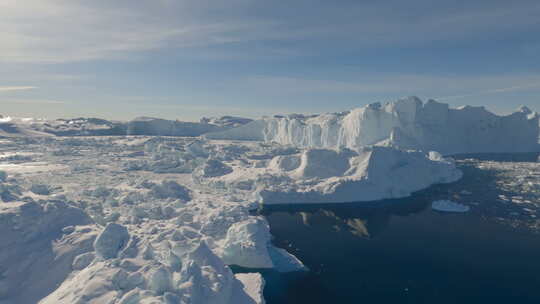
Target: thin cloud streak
(493,91)
(17,88)
(34,101)
(118,29)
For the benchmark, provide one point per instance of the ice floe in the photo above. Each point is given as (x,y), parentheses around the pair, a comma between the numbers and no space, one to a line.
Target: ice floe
(449,206)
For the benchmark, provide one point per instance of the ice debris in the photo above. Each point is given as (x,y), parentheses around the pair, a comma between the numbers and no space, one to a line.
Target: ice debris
(109,242)
(449,206)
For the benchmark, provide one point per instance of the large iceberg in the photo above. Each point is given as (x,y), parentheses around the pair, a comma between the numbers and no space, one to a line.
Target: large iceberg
(406,124)
(337,176)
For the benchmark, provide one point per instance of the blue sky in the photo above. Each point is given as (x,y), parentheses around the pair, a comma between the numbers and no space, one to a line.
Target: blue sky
(186,59)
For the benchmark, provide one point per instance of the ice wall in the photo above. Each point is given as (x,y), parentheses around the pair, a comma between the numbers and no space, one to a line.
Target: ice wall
(406,124)
(163,127)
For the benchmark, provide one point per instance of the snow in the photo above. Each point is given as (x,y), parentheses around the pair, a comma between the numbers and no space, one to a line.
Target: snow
(111,240)
(147,237)
(449,206)
(82,126)
(406,124)
(226,121)
(145,219)
(163,127)
(35,255)
(253,285)
(337,176)
(247,243)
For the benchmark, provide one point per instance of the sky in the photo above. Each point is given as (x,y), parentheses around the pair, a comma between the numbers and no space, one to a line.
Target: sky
(186,59)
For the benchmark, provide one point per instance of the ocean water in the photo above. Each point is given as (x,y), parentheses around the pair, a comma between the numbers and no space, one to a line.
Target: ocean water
(402,251)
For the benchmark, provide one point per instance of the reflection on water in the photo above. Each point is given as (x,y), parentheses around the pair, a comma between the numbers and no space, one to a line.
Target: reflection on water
(366,221)
(401,251)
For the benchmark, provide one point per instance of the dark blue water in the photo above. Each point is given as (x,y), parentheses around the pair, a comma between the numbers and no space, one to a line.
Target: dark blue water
(401,251)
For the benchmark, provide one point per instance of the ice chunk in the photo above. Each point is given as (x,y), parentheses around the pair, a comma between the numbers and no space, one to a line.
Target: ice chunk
(132,297)
(170,189)
(284,261)
(174,261)
(285,163)
(111,240)
(226,121)
(160,281)
(449,206)
(213,168)
(253,285)
(83,260)
(246,244)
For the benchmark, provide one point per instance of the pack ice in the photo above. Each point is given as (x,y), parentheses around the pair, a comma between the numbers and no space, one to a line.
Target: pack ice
(81,126)
(405,124)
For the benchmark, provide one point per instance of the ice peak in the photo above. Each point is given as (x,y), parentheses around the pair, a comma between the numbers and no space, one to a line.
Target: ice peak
(524,109)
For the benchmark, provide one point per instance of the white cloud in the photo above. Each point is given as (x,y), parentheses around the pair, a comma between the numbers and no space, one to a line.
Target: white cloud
(16,88)
(74,30)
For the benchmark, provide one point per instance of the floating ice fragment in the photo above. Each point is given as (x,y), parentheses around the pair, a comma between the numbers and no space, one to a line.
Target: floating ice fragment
(449,206)
(246,244)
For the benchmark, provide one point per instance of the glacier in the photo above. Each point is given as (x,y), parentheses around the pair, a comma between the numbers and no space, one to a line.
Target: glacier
(405,124)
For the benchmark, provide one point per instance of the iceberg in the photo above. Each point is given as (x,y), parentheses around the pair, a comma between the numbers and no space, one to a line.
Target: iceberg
(317,175)
(405,124)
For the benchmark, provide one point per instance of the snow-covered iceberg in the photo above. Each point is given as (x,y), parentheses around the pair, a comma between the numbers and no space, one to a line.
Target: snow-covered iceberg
(163,127)
(337,176)
(406,124)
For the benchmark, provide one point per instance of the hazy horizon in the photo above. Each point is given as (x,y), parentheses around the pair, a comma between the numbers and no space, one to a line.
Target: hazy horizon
(197,119)
(188,59)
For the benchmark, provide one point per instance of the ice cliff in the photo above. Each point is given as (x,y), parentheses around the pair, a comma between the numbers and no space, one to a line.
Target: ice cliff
(406,124)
